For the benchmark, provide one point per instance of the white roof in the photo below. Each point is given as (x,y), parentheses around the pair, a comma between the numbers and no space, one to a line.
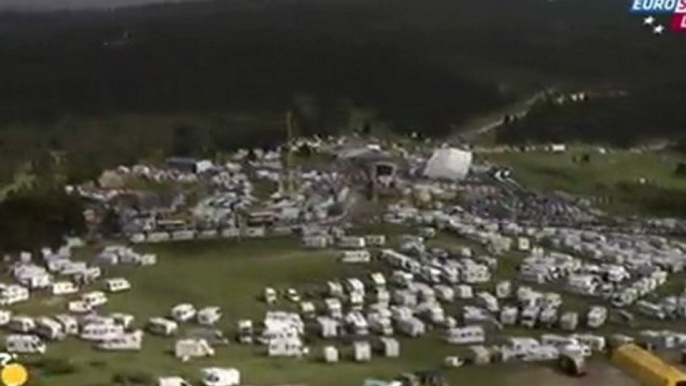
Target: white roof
(449,163)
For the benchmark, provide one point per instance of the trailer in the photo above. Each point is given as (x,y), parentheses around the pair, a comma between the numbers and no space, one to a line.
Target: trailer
(100,331)
(63,288)
(466,335)
(208,316)
(183,312)
(162,326)
(24,344)
(21,324)
(49,329)
(192,348)
(132,341)
(94,299)
(117,285)
(215,376)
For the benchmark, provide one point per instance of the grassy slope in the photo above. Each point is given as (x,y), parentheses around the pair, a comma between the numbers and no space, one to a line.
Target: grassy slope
(599,177)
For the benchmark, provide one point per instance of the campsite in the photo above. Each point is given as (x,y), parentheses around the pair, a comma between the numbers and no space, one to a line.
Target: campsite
(233,275)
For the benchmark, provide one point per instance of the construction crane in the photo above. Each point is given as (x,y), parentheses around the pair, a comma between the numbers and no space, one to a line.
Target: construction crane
(290,183)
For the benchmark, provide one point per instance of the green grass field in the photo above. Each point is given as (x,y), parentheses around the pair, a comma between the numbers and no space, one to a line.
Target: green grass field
(603,176)
(232,275)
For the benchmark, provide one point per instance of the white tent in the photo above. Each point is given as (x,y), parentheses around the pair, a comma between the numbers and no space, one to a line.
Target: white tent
(449,163)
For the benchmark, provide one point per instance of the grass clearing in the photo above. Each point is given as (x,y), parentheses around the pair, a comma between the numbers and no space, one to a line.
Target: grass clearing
(614,177)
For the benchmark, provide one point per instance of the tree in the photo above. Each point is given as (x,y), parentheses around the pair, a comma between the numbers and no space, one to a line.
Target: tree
(680,170)
(186,141)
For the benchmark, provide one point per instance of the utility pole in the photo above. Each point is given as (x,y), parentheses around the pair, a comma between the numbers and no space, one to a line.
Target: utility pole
(290,184)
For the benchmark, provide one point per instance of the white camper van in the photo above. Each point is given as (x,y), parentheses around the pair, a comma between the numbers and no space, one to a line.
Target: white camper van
(162,326)
(117,285)
(63,288)
(94,299)
(132,341)
(79,307)
(21,324)
(49,329)
(183,312)
(215,376)
(70,325)
(101,331)
(24,344)
(208,316)
(192,348)
(5,317)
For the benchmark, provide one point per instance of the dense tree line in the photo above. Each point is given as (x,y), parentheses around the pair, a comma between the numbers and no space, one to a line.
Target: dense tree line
(30,220)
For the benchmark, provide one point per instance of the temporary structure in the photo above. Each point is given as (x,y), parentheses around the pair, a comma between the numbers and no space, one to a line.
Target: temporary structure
(448,163)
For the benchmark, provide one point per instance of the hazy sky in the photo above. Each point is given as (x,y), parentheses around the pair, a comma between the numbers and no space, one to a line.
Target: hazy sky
(72,4)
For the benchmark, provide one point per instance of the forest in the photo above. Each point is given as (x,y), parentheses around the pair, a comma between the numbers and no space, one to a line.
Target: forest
(111,86)
(88,90)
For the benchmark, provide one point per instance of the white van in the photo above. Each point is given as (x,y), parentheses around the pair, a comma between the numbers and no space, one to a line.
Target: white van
(24,344)
(94,299)
(192,348)
(127,342)
(124,320)
(21,324)
(101,332)
(215,376)
(183,312)
(117,285)
(208,316)
(162,326)
(63,288)
(79,307)
(49,329)
(5,317)
(70,325)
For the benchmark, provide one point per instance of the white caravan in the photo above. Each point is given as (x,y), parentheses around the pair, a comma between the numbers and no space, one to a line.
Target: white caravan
(162,326)
(24,344)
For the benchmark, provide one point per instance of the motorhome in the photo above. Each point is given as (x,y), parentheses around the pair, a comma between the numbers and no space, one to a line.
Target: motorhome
(183,312)
(192,348)
(21,324)
(208,316)
(63,288)
(117,285)
(215,376)
(132,341)
(24,344)
(124,320)
(466,335)
(69,324)
(100,331)
(162,326)
(12,294)
(5,317)
(49,329)
(94,299)
(79,307)
(270,295)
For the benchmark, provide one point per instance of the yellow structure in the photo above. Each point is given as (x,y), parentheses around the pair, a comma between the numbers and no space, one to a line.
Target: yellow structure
(646,367)
(14,375)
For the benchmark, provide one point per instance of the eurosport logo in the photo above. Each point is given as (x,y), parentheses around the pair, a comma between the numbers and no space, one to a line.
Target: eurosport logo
(675,8)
